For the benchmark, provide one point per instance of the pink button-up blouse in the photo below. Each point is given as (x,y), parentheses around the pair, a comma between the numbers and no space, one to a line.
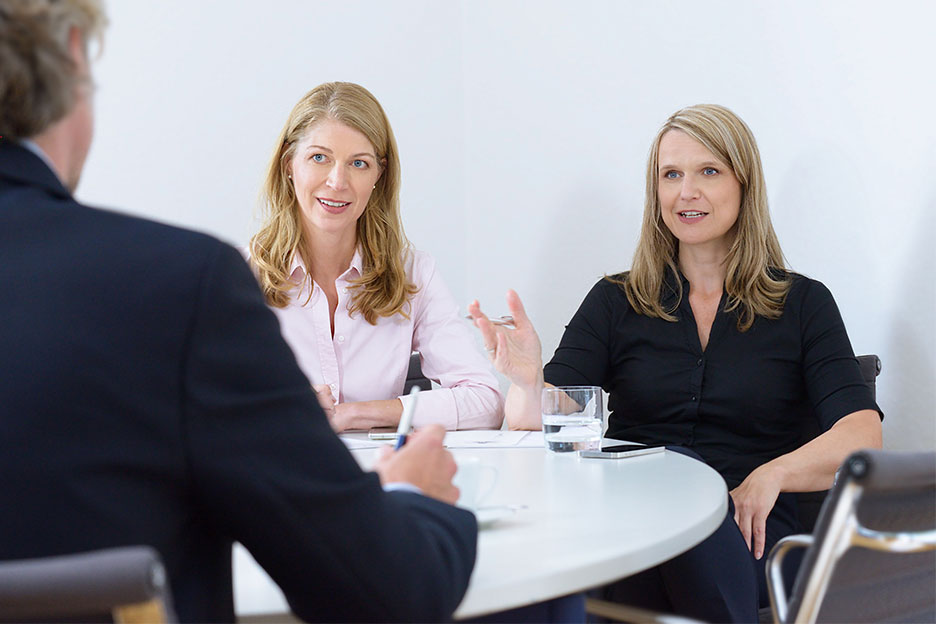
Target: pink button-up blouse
(365,362)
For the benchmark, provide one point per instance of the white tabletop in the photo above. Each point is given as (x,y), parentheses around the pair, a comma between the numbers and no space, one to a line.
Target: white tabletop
(581,523)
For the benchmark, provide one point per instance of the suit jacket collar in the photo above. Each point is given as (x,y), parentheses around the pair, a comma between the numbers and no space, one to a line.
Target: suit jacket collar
(21,166)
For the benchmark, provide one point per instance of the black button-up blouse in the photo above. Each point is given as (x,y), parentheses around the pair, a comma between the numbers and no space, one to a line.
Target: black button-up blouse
(743,401)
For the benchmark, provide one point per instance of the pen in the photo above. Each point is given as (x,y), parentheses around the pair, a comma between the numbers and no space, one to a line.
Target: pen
(406,419)
(506,321)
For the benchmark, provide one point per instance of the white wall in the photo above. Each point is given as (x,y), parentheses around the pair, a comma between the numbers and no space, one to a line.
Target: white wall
(524,126)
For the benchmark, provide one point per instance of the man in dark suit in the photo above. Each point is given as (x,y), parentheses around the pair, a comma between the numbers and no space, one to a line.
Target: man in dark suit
(146,396)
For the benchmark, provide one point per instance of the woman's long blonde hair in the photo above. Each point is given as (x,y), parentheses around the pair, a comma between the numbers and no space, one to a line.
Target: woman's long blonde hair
(383,288)
(757,282)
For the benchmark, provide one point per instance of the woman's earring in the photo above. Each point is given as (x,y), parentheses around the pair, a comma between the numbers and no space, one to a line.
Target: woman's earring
(373,187)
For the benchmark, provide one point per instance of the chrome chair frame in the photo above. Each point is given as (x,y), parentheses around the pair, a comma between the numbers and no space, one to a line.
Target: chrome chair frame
(844,531)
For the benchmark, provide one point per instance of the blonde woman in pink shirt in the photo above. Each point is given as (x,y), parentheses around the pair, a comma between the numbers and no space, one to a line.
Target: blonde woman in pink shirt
(354,299)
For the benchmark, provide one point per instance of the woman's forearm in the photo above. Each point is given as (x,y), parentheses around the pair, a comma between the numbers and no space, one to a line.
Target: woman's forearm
(368,414)
(522,407)
(812,466)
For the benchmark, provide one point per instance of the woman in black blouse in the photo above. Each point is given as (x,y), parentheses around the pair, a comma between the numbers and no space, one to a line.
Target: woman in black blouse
(710,344)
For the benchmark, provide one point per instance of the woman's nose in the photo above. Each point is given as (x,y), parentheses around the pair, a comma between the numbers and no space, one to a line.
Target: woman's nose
(336,178)
(689,188)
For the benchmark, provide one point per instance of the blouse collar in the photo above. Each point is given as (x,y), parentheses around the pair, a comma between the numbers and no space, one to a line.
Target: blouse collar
(298,272)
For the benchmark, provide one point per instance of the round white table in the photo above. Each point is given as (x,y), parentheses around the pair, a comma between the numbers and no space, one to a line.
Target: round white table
(579,523)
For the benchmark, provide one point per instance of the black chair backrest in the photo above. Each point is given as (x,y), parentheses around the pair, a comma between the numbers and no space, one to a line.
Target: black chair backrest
(127,583)
(809,503)
(414,376)
(898,496)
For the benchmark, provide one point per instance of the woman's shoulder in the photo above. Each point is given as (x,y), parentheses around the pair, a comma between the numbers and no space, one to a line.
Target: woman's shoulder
(608,294)
(612,286)
(805,286)
(418,264)
(806,295)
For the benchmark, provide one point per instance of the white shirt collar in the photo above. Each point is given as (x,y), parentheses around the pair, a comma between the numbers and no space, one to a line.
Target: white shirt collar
(33,147)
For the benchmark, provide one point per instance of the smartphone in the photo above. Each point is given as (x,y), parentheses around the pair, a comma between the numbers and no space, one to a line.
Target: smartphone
(382,433)
(619,451)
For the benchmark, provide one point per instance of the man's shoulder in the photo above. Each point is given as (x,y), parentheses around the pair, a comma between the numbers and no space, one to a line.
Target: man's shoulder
(136,240)
(120,247)
(147,231)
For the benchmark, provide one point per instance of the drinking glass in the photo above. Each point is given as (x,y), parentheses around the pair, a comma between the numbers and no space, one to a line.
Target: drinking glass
(572,417)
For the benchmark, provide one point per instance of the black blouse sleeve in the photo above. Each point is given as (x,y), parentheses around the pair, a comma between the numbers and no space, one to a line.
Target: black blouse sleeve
(582,357)
(833,378)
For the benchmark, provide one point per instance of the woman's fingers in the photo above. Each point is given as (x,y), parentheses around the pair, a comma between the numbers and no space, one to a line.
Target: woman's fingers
(501,353)
(474,309)
(759,529)
(741,517)
(324,396)
(751,518)
(521,320)
(488,334)
(488,331)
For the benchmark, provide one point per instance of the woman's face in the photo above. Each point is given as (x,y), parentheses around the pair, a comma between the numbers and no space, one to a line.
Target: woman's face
(334,170)
(700,197)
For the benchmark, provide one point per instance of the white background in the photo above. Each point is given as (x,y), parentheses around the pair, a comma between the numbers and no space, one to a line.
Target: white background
(524,127)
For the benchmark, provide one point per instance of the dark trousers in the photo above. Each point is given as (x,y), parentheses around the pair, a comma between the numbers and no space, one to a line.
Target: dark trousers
(716,581)
(565,610)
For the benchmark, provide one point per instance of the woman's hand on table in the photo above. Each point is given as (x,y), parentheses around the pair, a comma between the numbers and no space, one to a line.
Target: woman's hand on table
(338,414)
(326,402)
(424,462)
(358,414)
(515,352)
(753,500)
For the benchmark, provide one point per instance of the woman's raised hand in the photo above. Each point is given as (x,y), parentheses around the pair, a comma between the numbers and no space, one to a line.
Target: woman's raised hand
(516,352)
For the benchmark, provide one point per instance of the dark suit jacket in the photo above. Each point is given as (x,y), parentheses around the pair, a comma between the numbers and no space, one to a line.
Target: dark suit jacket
(146,397)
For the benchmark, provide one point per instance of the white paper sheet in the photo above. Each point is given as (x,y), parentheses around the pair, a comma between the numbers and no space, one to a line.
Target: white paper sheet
(494,439)
(357,443)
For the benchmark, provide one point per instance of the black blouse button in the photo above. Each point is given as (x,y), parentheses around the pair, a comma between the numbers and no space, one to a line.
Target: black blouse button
(699,363)
(693,397)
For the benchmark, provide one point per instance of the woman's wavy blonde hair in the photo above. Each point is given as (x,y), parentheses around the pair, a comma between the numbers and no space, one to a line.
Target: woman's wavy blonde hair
(757,282)
(383,288)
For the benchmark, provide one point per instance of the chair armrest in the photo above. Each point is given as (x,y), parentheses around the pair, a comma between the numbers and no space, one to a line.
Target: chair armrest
(81,584)
(900,542)
(778,597)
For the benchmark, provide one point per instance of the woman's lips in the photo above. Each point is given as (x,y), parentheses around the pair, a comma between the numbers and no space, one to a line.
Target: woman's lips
(691,216)
(333,206)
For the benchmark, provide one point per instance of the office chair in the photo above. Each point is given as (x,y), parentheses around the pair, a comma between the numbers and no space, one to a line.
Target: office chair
(414,375)
(872,557)
(127,584)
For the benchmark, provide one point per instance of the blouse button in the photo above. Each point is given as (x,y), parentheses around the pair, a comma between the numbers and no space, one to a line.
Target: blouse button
(693,397)
(333,386)
(699,363)
(340,338)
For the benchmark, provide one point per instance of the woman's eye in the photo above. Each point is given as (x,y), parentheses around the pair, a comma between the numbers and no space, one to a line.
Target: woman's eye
(319,158)
(671,175)
(710,171)
(359,164)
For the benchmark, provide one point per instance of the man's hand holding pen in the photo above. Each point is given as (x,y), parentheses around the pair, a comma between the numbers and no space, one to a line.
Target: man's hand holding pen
(423,462)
